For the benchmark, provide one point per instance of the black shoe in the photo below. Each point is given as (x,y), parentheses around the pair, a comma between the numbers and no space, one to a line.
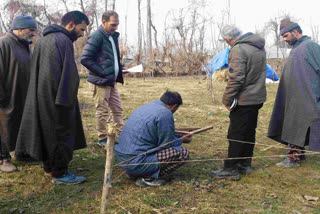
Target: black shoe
(303,159)
(147,182)
(132,177)
(244,170)
(232,174)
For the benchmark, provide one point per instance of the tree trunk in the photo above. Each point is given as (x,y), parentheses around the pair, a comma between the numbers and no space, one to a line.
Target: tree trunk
(113,4)
(65,5)
(155,35)
(149,38)
(139,33)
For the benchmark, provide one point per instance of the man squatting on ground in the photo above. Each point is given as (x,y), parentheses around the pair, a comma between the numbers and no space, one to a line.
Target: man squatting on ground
(101,56)
(244,95)
(146,138)
(295,119)
(51,127)
(15,58)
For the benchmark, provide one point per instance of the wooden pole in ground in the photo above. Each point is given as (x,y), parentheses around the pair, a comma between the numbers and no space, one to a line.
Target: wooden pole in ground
(108,169)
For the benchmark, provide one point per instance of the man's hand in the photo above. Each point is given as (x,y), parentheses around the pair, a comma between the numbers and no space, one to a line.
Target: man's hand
(228,108)
(186,139)
(124,70)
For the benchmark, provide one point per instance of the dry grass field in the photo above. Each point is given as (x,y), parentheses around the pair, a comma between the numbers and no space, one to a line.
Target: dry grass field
(268,189)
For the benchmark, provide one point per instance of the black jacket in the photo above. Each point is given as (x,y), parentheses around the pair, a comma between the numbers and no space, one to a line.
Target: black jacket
(98,58)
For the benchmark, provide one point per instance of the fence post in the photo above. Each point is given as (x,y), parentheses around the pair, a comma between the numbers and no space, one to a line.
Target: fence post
(108,168)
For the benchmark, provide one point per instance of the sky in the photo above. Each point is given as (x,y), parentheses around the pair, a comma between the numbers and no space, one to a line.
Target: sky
(249,15)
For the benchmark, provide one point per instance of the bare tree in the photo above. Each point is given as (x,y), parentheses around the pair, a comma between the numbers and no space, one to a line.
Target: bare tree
(3,25)
(155,35)
(315,33)
(65,5)
(113,4)
(139,32)
(274,26)
(109,4)
(149,23)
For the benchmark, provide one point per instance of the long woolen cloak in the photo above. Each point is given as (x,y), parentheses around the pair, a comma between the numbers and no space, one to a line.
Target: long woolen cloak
(15,60)
(51,126)
(297,105)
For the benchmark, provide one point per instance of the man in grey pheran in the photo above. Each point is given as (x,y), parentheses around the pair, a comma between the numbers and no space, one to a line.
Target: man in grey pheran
(15,58)
(295,120)
(51,127)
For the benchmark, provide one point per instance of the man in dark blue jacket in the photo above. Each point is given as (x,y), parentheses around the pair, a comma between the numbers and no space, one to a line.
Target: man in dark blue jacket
(101,56)
(148,148)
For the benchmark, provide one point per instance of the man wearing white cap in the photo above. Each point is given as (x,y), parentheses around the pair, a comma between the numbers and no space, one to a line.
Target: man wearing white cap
(15,59)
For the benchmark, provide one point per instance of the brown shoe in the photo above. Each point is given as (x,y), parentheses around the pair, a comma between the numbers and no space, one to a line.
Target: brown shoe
(7,166)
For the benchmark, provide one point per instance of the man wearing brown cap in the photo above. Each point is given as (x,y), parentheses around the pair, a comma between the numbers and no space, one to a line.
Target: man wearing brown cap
(15,60)
(295,120)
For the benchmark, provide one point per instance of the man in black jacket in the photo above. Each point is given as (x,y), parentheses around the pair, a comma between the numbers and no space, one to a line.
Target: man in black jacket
(101,56)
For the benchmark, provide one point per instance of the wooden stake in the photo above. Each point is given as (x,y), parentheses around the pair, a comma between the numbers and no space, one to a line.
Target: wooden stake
(192,131)
(108,169)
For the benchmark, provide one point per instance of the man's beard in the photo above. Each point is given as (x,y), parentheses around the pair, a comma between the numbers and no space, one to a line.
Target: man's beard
(74,33)
(27,38)
(292,42)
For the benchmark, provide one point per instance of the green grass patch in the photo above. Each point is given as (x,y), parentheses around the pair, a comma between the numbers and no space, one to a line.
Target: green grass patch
(268,189)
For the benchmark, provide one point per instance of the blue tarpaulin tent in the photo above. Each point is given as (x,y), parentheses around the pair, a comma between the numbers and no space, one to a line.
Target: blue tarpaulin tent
(271,74)
(221,61)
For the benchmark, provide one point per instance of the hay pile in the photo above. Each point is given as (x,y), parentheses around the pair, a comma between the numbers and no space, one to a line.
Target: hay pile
(220,75)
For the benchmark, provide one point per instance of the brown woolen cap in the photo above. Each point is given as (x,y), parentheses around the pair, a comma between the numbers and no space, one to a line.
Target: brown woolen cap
(286,26)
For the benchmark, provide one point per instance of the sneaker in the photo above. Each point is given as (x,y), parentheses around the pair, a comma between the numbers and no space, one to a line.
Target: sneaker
(147,182)
(69,178)
(7,166)
(103,142)
(288,164)
(231,174)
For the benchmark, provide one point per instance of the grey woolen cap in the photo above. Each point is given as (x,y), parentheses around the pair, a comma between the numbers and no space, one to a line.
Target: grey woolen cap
(23,21)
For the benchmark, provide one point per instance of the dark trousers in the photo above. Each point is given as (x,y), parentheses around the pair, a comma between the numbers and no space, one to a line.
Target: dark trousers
(4,154)
(296,153)
(58,160)
(243,124)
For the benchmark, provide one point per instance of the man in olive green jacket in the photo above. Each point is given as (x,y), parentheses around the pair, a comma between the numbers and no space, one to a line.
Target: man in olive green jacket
(243,97)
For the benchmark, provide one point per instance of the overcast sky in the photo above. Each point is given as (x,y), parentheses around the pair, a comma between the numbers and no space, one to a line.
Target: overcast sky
(247,14)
